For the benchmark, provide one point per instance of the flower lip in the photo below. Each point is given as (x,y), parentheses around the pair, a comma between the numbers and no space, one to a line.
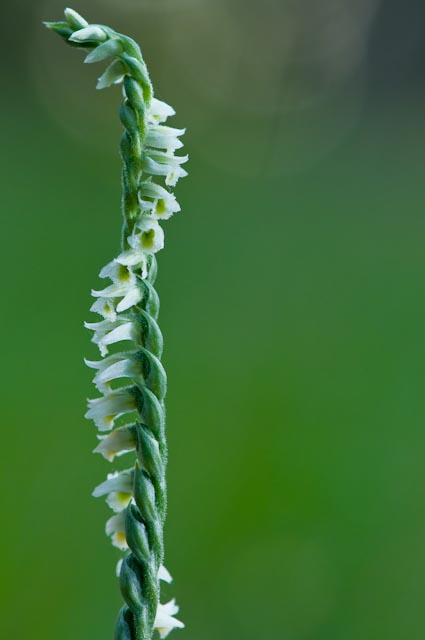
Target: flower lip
(105,410)
(117,442)
(117,482)
(165,621)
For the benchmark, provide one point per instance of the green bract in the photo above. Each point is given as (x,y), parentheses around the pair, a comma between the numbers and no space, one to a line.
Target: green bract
(131,378)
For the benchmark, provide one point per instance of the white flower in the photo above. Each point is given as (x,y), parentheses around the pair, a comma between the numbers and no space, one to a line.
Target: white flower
(164,620)
(117,483)
(131,298)
(159,111)
(124,285)
(118,500)
(157,200)
(164,575)
(118,442)
(148,235)
(160,163)
(115,527)
(116,272)
(107,332)
(104,411)
(118,365)
(162,137)
(133,257)
(104,307)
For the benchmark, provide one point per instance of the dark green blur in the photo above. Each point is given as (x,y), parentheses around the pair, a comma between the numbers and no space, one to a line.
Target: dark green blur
(293,312)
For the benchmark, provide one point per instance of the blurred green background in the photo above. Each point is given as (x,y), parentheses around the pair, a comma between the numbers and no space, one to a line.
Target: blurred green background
(292,310)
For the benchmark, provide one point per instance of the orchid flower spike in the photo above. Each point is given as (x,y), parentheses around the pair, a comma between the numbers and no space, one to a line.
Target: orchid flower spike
(129,376)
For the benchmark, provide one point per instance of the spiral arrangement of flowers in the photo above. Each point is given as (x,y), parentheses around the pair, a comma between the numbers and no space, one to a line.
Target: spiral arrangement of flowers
(130,411)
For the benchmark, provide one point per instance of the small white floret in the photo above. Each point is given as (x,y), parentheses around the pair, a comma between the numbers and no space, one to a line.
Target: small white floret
(104,307)
(164,620)
(107,332)
(133,257)
(148,236)
(118,442)
(161,137)
(124,285)
(104,411)
(117,366)
(159,111)
(115,527)
(157,201)
(158,163)
(117,273)
(118,500)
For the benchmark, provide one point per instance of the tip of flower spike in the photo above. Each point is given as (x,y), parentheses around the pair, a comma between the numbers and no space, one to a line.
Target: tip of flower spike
(74,19)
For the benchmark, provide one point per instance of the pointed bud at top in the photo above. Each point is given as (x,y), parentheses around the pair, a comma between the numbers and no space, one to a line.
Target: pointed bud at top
(75,20)
(88,34)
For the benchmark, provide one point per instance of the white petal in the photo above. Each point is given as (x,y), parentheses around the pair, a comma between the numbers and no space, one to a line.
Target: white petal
(169,608)
(174,176)
(151,236)
(116,290)
(104,411)
(119,481)
(131,257)
(115,527)
(120,333)
(159,111)
(118,500)
(100,327)
(123,368)
(172,172)
(164,575)
(88,34)
(103,364)
(167,158)
(162,137)
(162,203)
(119,441)
(164,621)
(119,541)
(117,272)
(115,523)
(105,308)
(131,298)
